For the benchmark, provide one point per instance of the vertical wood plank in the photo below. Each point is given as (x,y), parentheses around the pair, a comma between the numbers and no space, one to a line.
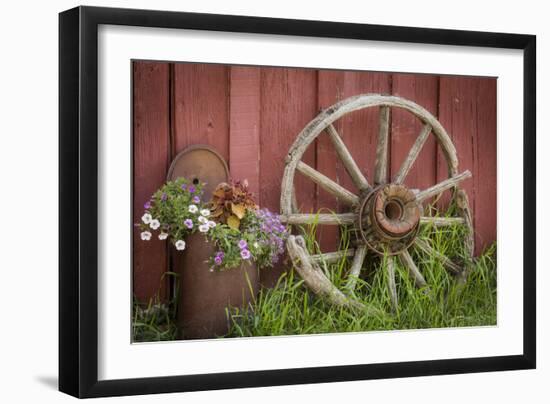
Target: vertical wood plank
(423,90)
(288,103)
(200,107)
(330,91)
(151,151)
(244,126)
(360,129)
(458,115)
(485,178)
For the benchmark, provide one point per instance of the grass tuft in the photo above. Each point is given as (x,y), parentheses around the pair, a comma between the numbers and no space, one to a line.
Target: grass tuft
(290,308)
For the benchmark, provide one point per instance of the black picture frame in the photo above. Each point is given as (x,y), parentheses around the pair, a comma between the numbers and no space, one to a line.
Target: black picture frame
(78,200)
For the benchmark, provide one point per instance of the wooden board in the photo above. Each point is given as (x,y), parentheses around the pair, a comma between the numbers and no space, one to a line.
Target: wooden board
(200,107)
(288,103)
(458,114)
(244,126)
(151,151)
(330,91)
(405,127)
(485,178)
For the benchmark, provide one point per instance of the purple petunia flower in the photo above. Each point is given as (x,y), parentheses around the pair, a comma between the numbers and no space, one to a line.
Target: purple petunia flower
(163,197)
(196,199)
(192,189)
(188,223)
(184,186)
(218,259)
(243,244)
(147,205)
(245,254)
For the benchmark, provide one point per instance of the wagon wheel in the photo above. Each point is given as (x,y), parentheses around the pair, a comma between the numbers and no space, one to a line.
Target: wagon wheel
(387,215)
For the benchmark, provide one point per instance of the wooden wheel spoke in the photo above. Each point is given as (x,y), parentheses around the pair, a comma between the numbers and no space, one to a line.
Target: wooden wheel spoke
(414,273)
(413,154)
(443,186)
(315,279)
(390,268)
(332,257)
(327,184)
(321,218)
(441,221)
(428,249)
(356,266)
(349,163)
(381,163)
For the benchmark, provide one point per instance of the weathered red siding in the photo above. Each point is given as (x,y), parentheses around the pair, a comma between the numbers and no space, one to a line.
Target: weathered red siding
(251,115)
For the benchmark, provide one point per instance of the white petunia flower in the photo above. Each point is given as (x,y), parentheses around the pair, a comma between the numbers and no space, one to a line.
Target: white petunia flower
(256,245)
(205,212)
(146,218)
(163,236)
(202,220)
(211,224)
(155,224)
(203,228)
(193,208)
(180,245)
(146,235)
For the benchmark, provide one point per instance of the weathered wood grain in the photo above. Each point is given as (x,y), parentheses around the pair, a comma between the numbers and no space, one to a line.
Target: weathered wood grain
(381,160)
(405,129)
(485,176)
(288,101)
(244,126)
(200,106)
(392,288)
(443,186)
(330,88)
(331,257)
(441,221)
(320,218)
(151,157)
(414,273)
(328,185)
(355,269)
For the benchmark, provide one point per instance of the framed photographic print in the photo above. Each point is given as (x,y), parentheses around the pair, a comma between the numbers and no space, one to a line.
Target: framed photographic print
(252,201)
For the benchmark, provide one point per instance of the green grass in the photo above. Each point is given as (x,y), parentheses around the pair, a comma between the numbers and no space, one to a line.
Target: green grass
(155,320)
(290,308)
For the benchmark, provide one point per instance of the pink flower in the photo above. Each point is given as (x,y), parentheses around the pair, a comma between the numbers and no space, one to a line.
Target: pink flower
(245,254)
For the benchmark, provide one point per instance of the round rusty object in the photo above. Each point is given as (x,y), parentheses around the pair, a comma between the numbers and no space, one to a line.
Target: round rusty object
(200,163)
(389,218)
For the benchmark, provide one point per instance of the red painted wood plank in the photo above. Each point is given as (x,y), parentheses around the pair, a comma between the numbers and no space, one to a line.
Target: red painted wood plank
(200,107)
(360,128)
(330,91)
(244,126)
(405,127)
(458,114)
(485,178)
(151,158)
(288,103)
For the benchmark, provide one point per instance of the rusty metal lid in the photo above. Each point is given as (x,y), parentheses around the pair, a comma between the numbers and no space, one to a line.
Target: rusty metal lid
(200,163)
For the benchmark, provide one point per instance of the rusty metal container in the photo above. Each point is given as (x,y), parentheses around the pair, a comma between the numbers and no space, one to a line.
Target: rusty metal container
(204,295)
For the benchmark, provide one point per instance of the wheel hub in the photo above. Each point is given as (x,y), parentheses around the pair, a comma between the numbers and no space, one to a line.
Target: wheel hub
(389,218)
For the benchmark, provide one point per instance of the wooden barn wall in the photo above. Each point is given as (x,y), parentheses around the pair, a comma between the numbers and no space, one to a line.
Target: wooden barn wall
(251,115)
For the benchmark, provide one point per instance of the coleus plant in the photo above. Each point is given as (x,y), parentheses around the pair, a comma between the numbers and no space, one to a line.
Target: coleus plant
(230,203)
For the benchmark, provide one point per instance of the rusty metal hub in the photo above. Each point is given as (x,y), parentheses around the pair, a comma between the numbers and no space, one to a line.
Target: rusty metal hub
(389,218)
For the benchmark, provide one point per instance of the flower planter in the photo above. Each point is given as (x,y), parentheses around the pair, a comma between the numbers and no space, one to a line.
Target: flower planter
(204,295)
